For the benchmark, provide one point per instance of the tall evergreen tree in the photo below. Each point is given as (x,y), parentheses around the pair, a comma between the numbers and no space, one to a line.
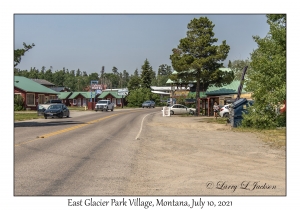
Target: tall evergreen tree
(146,75)
(197,58)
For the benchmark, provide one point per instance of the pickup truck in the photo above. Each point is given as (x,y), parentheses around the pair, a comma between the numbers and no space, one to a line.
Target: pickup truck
(104,105)
(43,107)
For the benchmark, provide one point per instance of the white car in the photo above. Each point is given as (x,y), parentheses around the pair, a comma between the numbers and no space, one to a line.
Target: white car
(224,111)
(181,109)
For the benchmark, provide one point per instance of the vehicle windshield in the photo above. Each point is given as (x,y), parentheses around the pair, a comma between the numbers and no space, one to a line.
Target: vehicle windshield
(102,102)
(54,107)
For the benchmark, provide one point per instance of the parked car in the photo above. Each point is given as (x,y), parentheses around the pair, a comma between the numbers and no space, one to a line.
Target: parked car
(224,111)
(181,109)
(57,110)
(43,107)
(148,104)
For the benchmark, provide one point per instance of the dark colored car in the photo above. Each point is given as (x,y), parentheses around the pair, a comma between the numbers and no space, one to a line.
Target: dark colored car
(57,110)
(148,104)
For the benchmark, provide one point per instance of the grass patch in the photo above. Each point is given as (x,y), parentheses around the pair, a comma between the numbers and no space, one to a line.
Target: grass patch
(273,137)
(219,120)
(26,116)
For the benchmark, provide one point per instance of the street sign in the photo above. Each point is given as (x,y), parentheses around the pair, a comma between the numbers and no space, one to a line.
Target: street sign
(123,92)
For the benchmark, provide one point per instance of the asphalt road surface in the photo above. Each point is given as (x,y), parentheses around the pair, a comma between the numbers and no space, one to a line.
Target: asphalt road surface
(108,154)
(90,153)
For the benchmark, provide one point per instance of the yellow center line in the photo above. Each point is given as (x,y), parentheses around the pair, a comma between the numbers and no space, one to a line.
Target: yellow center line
(70,128)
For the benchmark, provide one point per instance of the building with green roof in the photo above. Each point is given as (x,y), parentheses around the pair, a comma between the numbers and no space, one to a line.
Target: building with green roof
(32,92)
(113,96)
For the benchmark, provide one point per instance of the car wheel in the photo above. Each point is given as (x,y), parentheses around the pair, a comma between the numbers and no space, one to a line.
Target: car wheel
(226,115)
(68,115)
(61,115)
(192,112)
(143,107)
(45,116)
(172,112)
(112,110)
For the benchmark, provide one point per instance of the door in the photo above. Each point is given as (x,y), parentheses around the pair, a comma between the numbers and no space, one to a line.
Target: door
(79,102)
(114,101)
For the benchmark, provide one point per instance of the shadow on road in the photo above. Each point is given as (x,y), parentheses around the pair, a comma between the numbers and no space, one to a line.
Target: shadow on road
(50,123)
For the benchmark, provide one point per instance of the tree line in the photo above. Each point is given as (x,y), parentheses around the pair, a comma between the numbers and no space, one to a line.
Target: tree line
(77,80)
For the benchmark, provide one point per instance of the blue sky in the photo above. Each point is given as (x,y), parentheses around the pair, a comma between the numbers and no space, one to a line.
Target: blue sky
(88,42)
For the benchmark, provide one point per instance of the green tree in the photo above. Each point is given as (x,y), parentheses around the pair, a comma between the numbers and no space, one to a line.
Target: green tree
(229,64)
(134,83)
(115,70)
(18,53)
(146,75)
(237,67)
(163,73)
(48,75)
(197,58)
(136,97)
(136,72)
(267,79)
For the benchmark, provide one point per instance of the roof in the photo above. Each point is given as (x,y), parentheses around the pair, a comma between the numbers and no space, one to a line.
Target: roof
(84,94)
(106,93)
(64,95)
(29,85)
(43,82)
(59,89)
(232,88)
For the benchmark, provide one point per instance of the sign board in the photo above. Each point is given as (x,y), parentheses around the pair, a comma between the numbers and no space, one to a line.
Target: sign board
(123,92)
(97,87)
(166,111)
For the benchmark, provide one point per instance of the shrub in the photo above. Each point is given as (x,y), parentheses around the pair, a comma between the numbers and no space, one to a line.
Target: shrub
(18,103)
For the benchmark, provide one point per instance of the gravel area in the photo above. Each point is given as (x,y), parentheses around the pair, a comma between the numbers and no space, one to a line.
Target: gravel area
(188,156)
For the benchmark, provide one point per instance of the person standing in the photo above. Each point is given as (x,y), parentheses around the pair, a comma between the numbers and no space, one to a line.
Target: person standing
(216,110)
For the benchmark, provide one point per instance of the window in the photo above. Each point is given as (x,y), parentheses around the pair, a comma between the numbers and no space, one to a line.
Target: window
(41,98)
(52,97)
(30,99)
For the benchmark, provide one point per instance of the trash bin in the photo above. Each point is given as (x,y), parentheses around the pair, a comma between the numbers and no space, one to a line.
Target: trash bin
(236,111)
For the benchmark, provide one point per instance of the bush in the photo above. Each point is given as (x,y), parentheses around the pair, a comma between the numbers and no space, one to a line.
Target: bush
(281,120)
(18,103)
(263,119)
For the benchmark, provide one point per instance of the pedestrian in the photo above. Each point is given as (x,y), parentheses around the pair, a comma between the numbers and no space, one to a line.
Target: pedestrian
(216,110)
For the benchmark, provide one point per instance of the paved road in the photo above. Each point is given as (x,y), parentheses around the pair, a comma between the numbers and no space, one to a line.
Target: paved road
(87,154)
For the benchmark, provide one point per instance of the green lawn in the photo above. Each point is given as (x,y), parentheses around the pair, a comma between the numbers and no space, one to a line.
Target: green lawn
(26,116)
